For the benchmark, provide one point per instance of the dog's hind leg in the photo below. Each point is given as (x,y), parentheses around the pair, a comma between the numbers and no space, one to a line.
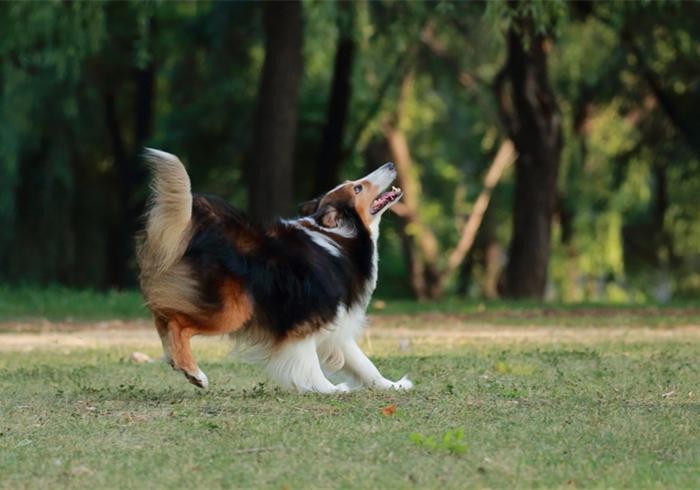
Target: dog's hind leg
(179,335)
(164,333)
(358,364)
(295,366)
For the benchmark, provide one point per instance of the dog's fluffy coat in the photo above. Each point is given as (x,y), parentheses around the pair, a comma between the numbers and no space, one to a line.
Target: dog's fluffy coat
(294,293)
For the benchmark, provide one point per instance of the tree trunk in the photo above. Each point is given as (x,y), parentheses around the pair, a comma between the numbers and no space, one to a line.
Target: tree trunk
(331,154)
(378,151)
(531,117)
(272,154)
(114,268)
(425,277)
(661,204)
(420,244)
(419,240)
(492,268)
(130,176)
(504,158)
(465,276)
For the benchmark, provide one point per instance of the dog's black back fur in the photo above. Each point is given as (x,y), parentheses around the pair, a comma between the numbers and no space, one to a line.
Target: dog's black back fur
(294,282)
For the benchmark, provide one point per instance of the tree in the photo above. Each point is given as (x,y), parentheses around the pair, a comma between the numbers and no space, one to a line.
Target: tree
(130,171)
(330,156)
(271,159)
(84,85)
(428,276)
(530,115)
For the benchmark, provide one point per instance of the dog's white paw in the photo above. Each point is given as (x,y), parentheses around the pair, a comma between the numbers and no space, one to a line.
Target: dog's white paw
(198,378)
(342,388)
(403,384)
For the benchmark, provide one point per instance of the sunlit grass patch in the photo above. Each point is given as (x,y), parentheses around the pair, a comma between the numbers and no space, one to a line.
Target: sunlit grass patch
(611,414)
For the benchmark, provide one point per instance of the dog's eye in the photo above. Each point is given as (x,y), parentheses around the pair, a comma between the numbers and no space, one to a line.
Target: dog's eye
(357,188)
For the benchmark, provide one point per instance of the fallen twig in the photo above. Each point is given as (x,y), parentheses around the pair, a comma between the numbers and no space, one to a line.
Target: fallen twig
(256,449)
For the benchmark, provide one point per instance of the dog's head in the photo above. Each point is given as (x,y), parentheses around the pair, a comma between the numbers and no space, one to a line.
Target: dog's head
(363,201)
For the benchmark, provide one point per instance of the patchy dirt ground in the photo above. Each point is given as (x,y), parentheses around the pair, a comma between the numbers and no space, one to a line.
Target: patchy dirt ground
(400,331)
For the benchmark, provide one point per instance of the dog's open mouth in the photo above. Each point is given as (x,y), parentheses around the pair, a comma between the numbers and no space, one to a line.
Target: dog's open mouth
(384,199)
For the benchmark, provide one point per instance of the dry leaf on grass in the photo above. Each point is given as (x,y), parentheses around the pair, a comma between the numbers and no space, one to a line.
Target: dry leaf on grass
(389,410)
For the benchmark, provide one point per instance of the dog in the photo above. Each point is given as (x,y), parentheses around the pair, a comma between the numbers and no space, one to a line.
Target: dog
(294,294)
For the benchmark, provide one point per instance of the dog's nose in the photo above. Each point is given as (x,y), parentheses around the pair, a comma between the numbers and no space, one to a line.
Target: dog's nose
(390,166)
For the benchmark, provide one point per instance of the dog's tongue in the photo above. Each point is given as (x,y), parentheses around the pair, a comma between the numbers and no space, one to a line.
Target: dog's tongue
(385,198)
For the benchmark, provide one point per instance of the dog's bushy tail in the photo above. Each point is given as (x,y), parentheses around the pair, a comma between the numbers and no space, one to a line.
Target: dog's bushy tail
(169,214)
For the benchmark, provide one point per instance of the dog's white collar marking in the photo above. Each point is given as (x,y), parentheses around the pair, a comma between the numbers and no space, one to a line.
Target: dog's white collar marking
(344,232)
(322,240)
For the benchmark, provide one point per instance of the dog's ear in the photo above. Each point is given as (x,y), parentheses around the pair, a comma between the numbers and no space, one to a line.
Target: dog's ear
(309,207)
(330,218)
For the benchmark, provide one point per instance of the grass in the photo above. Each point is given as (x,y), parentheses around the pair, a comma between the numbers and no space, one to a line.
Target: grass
(58,303)
(499,415)
(63,304)
(613,408)
(528,312)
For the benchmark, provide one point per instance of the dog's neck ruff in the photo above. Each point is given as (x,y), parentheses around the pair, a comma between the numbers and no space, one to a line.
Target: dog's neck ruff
(329,239)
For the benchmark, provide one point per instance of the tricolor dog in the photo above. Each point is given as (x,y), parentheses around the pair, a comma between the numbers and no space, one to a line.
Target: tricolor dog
(294,293)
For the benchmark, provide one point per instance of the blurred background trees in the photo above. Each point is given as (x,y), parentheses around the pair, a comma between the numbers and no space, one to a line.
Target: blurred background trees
(270,104)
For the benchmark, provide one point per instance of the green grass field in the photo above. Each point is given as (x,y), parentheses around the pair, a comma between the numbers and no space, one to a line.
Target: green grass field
(63,304)
(492,407)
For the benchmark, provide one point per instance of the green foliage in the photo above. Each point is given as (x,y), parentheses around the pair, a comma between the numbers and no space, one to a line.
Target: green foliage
(610,167)
(528,17)
(451,441)
(60,62)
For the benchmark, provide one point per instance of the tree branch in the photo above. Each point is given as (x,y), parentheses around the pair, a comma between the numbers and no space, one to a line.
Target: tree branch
(420,239)
(505,156)
(669,108)
(398,69)
(468,80)
(689,134)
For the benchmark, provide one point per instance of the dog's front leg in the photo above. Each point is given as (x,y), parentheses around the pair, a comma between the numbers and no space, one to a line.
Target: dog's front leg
(358,364)
(295,365)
